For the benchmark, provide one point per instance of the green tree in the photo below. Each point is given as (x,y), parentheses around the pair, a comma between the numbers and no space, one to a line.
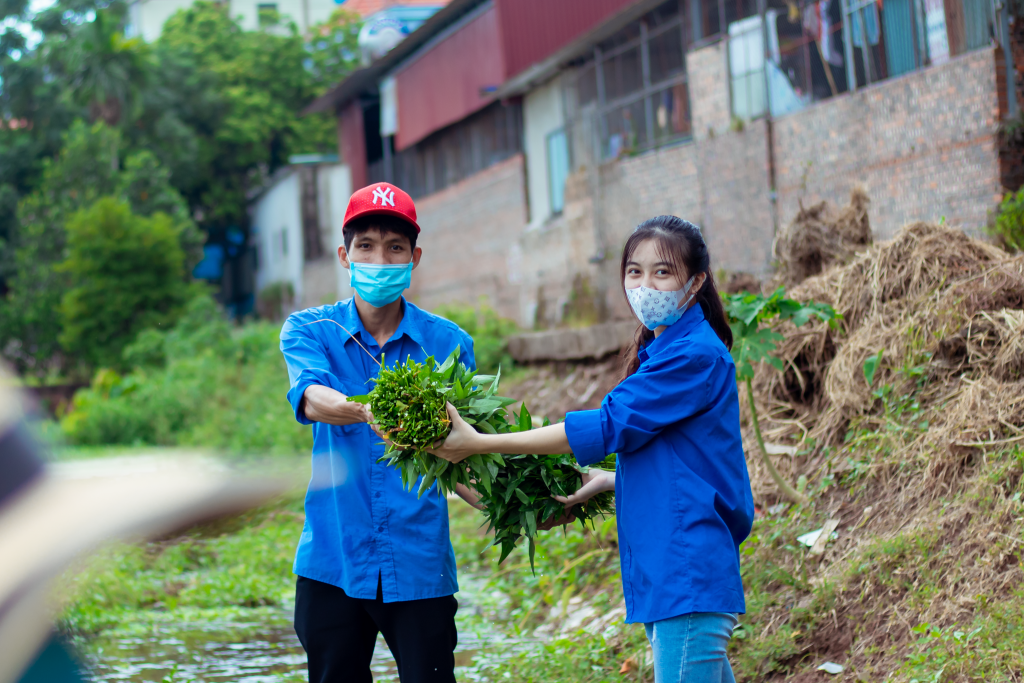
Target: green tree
(105,70)
(126,272)
(333,48)
(30,322)
(263,82)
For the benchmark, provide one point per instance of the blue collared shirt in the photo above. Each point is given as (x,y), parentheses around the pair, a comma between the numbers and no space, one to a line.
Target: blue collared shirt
(682,492)
(360,522)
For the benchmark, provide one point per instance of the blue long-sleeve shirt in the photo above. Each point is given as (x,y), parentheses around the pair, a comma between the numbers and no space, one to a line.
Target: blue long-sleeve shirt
(682,492)
(360,522)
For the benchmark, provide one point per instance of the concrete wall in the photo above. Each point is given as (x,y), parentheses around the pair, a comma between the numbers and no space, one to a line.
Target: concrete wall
(277,227)
(277,219)
(924,144)
(467,233)
(542,114)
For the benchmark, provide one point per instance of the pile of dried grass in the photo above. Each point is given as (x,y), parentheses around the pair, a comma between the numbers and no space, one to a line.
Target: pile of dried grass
(944,309)
(821,236)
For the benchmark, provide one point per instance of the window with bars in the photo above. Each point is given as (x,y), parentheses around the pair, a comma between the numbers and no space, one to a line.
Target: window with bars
(820,48)
(635,85)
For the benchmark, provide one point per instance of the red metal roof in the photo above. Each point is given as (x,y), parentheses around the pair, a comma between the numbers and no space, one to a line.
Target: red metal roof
(365,8)
(534,29)
(443,85)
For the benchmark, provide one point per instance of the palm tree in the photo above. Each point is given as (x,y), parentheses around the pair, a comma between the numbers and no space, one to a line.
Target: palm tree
(106,69)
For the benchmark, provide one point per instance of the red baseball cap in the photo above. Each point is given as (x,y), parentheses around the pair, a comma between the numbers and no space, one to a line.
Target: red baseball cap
(381,199)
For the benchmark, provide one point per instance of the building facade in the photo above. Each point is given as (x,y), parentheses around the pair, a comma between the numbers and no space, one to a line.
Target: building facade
(533,155)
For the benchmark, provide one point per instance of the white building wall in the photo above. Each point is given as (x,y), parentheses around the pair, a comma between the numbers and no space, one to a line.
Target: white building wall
(304,13)
(277,227)
(335,190)
(542,114)
(147,17)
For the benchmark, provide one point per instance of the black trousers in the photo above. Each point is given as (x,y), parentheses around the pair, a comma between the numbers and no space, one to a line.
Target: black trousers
(338,633)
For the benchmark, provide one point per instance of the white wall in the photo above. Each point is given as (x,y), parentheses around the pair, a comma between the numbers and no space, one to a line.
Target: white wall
(335,189)
(542,114)
(147,17)
(276,219)
(291,10)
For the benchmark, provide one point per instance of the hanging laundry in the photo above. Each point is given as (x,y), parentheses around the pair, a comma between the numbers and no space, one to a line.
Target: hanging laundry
(865,13)
(829,44)
(812,20)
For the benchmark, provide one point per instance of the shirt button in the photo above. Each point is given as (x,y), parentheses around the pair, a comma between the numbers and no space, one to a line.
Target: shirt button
(380,529)
(377,495)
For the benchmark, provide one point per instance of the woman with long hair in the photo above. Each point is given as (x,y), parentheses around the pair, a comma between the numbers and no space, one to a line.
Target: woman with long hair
(682,492)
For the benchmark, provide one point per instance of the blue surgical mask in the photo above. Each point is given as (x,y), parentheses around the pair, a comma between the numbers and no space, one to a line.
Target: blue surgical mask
(379,284)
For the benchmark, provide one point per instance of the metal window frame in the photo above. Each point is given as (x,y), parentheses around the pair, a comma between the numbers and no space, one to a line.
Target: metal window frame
(605,107)
(564,131)
(762,72)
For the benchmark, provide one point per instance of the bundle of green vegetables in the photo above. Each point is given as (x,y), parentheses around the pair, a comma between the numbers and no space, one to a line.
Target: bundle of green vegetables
(408,404)
(520,497)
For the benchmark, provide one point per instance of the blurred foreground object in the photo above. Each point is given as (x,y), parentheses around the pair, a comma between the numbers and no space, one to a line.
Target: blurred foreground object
(51,515)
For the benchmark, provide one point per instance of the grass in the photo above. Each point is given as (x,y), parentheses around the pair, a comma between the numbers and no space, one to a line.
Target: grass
(917,602)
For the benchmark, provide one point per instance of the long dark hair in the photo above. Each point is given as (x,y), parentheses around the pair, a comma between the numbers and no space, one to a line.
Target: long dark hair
(681,244)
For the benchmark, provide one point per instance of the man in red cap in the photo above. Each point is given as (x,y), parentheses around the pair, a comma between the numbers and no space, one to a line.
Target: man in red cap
(373,558)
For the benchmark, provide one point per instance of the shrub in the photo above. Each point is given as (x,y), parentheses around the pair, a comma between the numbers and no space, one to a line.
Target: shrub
(126,272)
(489,331)
(204,383)
(1009,223)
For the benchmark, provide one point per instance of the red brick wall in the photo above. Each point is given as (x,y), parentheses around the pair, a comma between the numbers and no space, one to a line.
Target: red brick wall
(467,231)
(924,144)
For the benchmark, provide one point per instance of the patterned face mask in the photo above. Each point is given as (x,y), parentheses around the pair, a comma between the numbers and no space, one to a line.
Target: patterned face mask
(655,307)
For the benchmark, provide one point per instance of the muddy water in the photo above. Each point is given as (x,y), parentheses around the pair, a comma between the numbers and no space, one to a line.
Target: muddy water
(265,649)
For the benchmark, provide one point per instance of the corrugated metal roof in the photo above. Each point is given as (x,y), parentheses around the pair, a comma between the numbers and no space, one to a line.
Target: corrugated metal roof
(443,84)
(365,8)
(533,29)
(364,81)
(543,69)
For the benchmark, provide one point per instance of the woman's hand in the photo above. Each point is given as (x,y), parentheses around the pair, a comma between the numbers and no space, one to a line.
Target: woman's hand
(594,482)
(462,442)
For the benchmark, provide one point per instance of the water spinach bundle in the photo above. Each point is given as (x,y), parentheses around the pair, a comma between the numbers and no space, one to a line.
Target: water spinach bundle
(408,404)
(520,496)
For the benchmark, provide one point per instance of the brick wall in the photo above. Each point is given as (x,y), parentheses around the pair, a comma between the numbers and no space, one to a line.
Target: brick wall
(467,232)
(924,144)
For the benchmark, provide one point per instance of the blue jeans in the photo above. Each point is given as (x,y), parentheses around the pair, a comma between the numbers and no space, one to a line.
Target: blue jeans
(691,648)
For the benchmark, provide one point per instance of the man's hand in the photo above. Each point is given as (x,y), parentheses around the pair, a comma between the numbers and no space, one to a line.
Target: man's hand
(469,495)
(594,482)
(556,520)
(323,404)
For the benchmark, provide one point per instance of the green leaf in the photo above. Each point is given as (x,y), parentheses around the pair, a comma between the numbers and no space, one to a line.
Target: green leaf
(525,421)
(871,366)
(531,522)
(523,498)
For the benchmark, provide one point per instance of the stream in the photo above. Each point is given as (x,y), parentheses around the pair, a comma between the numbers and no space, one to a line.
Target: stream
(263,648)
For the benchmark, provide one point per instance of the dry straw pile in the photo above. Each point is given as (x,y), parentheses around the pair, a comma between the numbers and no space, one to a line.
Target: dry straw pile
(945,310)
(929,461)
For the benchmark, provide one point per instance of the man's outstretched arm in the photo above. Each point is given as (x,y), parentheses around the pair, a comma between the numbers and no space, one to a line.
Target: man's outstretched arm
(323,404)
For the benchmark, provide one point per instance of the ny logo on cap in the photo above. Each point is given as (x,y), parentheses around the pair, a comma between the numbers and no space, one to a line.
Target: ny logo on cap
(386,197)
